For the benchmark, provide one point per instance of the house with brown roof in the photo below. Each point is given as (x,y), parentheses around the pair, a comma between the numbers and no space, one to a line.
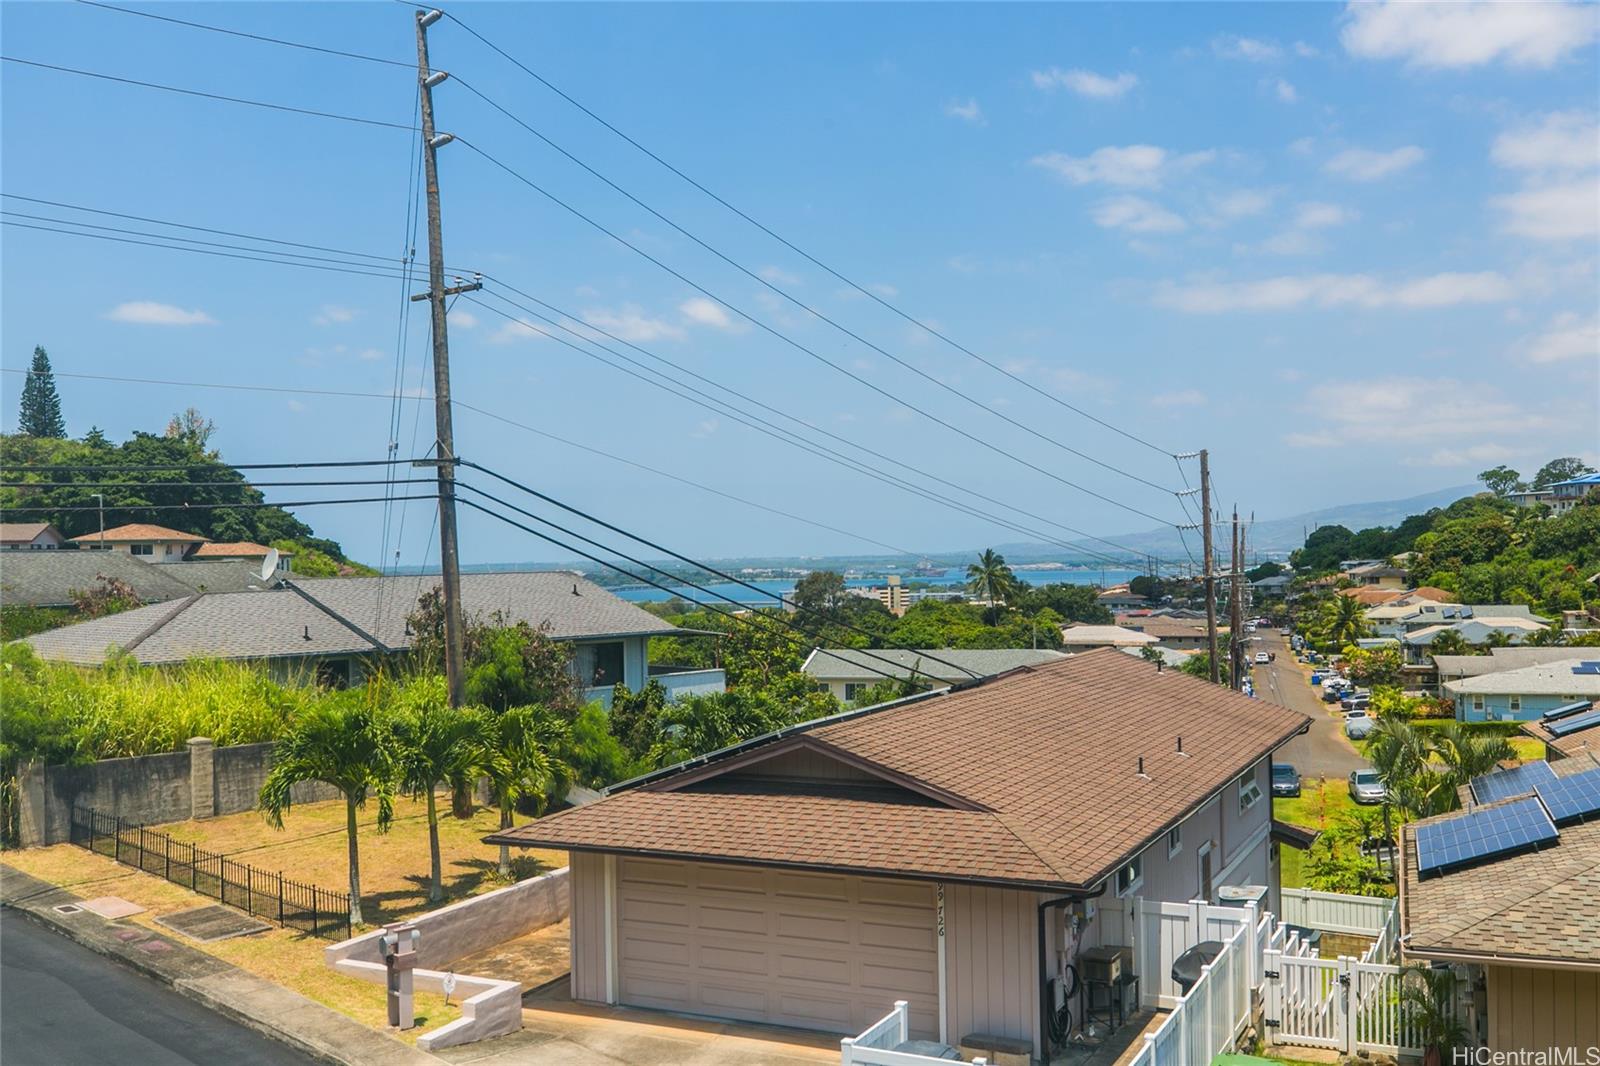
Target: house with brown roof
(153,544)
(241,551)
(954,849)
(1511,903)
(30,536)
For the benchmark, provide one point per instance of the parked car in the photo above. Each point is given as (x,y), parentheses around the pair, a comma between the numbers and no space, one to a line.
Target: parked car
(1366,786)
(1286,631)
(1353,700)
(1261,658)
(1285,780)
(1357,724)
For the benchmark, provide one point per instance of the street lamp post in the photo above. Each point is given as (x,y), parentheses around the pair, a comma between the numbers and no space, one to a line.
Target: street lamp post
(100,496)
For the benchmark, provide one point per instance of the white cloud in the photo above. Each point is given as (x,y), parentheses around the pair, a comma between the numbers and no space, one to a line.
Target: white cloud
(778,276)
(884,289)
(1312,215)
(1416,411)
(967,112)
(460,316)
(1326,291)
(1302,145)
(1564,142)
(1181,398)
(1086,82)
(516,330)
(1473,455)
(1285,91)
(1252,49)
(704,312)
(1241,203)
(332,314)
(1139,166)
(1565,211)
(371,355)
(1569,336)
(1364,164)
(1468,34)
(632,324)
(1305,51)
(150,313)
(1316,439)
(296,406)
(1136,215)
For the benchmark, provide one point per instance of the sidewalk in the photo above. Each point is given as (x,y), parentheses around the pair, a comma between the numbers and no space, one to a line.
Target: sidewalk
(319,1031)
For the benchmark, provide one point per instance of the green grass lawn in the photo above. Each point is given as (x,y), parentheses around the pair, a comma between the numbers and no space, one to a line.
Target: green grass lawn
(1319,805)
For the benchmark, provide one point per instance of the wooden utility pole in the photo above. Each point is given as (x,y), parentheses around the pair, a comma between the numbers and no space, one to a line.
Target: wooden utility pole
(1236,651)
(1211,570)
(449,555)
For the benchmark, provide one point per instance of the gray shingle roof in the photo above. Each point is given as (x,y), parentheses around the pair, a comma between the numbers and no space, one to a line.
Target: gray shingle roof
(335,616)
(846,664)
(47,579)
(1500,660)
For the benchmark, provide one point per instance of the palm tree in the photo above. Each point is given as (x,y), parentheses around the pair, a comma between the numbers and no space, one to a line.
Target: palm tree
(521,765)
(338,740)
(1449,642)
(1428,1000)
(436,742)
(1346,621)
(991,578)
(1551,636)
(1467,753)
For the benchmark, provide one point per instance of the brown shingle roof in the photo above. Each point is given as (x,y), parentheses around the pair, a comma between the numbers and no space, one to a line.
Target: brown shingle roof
(1371,595)
(1047,756)
(23,531)
(137,531)
(1535,905)
(237,549)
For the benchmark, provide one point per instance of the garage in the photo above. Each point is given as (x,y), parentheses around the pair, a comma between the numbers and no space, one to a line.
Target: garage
(811,950)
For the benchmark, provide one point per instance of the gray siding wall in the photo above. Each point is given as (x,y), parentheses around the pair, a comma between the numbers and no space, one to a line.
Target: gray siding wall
(991,962)
(587,883)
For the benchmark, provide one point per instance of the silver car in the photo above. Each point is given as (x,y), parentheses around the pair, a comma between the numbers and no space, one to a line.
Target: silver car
(1366,786)
(1357,724)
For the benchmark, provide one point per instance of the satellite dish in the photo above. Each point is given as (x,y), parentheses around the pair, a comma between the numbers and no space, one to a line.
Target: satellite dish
(269,565)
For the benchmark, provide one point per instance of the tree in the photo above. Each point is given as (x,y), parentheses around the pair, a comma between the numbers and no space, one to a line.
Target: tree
(1341,621)
(523,766)
(340,741)
(1374,666)
(992,579)
(819,595)
(1557,470)
(1501,480)
(191,427)
(40,413)
(1450,642)
(435,742)
(1199,665)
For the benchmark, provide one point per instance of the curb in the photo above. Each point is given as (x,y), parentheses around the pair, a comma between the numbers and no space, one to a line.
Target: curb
(245,1002)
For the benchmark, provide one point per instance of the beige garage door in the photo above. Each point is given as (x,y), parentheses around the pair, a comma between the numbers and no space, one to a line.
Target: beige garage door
(818,951)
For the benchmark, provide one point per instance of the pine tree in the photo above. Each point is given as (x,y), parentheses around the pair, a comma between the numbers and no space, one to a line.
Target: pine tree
(40,415)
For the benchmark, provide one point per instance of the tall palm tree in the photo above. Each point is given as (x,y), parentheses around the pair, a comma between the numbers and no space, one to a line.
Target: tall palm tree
(1551,636)
(523,764)
(1345,621)
(1449,642)
(338,740)
(1467,753)
(991,578)
(435,742)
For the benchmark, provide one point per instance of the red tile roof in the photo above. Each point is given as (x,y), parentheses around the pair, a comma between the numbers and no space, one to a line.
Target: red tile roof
(1044,758)
(137,531)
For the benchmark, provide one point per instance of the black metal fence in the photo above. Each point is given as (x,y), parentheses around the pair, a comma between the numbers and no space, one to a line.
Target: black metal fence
(259,893)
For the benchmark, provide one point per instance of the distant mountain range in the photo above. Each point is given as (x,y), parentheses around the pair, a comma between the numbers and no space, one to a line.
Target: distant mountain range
(1276,536)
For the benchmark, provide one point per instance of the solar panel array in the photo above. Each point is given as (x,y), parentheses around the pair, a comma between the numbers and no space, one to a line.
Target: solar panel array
(1567,710)
(1572,798)
(1562,727)
(1483,834)
(1518,781)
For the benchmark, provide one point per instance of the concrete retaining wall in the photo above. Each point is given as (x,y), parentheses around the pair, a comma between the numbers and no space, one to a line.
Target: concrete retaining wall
(489,1007)
(200,782)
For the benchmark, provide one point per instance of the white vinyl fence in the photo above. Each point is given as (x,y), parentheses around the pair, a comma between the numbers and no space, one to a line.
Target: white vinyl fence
(875,1046)
(1334,912)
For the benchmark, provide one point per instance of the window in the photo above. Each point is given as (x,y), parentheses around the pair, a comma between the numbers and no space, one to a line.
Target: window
(1516,704)
(602,663)
(1477,703)
(1249,791)
(1130,877)
(333,673)
(1174,840)
(141,549)
(852,689)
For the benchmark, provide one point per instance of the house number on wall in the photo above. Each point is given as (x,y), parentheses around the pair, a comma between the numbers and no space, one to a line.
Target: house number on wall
(940,897)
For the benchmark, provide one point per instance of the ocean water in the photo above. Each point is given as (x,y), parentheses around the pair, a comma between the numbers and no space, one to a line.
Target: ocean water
(769,589)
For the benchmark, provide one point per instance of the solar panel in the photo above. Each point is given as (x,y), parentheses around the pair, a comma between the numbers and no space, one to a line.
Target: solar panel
(1485,833)
(1567,710)
(1572,798)
(1587,667)
(1566,726)
(1517,781)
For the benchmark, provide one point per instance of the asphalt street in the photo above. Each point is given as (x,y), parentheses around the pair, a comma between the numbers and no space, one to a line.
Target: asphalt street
(63,1005)
(1323,752)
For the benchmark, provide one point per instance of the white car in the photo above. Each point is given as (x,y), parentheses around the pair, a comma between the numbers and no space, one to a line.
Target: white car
(1357,724)
(1261,658)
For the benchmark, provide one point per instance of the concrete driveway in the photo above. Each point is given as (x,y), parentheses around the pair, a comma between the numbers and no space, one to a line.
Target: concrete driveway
(1323,752)
(560,1032)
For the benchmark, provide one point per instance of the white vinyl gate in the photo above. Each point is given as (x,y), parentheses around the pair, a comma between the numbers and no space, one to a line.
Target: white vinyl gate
(1307,1002)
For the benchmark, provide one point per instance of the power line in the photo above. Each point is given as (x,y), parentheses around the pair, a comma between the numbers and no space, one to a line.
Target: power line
(749,618)
(209,96)
(203,506)
(785,294)
(250,36)
(205,484)
(707,568)
(143,467)
(787,436)
(819,357)
(865,291)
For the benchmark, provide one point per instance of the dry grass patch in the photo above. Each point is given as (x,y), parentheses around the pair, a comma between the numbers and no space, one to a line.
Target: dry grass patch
(311,848)
(283,956)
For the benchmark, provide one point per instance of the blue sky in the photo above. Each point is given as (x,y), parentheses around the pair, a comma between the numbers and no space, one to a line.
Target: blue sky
(1351,251)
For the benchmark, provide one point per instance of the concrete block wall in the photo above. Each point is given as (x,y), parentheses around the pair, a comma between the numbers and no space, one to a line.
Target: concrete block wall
(199,782)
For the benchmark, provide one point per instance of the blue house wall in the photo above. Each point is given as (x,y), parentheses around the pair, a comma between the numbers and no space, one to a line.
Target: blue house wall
(1499,708)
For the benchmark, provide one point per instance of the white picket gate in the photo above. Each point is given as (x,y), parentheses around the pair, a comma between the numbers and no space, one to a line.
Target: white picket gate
(1306,1001)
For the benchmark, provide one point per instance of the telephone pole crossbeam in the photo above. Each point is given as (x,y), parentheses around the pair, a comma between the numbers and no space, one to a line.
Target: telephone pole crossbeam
(449,550)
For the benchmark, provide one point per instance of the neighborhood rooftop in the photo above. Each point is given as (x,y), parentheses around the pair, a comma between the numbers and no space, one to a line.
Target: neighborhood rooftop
(940,664)
(1575,677)
(49,579)
(1048,776)
(135,531)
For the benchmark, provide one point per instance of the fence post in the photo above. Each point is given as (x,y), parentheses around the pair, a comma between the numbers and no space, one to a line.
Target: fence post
(314,910)
(1271,993)
(193,879)
(846,1047)
(1347,991)
(902,1014)
(280,897)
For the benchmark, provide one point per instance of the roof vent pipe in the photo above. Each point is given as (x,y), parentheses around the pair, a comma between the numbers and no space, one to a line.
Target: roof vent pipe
(1180,744)
(307,633)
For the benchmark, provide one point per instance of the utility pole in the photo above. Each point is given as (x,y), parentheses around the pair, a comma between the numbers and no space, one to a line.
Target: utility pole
(1210,572)
(1236,609)
(449,555)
